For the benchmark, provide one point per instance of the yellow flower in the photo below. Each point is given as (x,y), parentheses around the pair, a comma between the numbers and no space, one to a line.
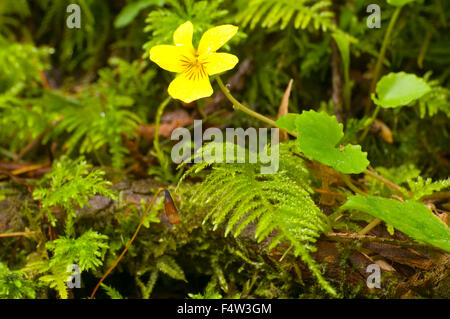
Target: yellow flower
(194,66)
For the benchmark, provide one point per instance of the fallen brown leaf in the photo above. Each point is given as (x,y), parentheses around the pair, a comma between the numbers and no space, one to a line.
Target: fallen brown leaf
(169,122)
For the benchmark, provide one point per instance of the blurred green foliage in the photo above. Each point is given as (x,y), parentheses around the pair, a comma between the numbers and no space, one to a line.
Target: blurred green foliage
(92,92)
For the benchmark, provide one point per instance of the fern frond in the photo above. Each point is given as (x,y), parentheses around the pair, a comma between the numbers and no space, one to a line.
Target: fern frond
(103,121)
(55,278)
(438,99)
(111,292)
(86,251)
(169,266)
(147,288)
(71,184)
(270,13)
(237,194)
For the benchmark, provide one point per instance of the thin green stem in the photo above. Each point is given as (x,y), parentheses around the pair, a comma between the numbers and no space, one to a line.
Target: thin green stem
(347,90)
(237,105)
(350,185)
(382,54)
(369,226)
(97,156)
(369,122)
(159,113)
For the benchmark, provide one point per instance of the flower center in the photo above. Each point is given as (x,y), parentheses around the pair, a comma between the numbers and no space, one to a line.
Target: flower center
(194,69)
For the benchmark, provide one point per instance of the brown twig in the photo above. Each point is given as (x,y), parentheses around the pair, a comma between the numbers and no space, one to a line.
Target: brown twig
(351,237)
(150,205)
(17,234)
(326,192)
(436,196)
(27,169)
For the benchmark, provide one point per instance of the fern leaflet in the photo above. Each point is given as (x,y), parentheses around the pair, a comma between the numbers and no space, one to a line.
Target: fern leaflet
(269,13)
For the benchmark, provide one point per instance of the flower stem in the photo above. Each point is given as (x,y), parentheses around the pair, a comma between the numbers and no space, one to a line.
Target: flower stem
(239,106)
(369,122)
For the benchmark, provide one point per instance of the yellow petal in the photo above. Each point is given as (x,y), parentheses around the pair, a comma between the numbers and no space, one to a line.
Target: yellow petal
(170,57)
(188,89)
(183,35)
(215,63)
(215,37)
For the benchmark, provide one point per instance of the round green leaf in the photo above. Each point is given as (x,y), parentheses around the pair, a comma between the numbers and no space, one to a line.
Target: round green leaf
(398,89)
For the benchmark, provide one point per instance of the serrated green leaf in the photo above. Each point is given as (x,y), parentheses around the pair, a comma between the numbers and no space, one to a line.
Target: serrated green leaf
(318,137)
(399,3)
(410,217)
(398,89)
(111,292)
